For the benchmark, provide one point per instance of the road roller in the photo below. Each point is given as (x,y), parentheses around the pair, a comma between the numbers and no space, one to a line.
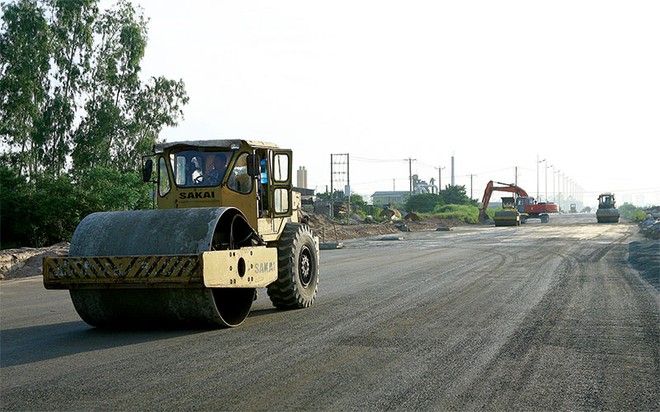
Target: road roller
(509,215)
(227,223)
(607,211)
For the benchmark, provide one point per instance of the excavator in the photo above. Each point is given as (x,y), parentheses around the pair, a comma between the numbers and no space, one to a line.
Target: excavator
(517,209)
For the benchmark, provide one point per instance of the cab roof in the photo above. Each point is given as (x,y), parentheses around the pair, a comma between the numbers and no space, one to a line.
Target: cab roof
(219,143)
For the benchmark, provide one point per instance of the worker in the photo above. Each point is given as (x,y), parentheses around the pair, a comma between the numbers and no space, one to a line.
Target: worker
(217,169)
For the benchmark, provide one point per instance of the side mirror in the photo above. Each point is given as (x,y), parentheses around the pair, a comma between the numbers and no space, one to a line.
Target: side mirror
(147,169)
(252,166)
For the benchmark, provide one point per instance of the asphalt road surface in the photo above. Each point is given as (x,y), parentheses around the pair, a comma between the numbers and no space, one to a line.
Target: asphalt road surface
(538,317)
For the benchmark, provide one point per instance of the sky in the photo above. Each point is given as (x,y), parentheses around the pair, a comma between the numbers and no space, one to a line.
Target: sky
(564,92)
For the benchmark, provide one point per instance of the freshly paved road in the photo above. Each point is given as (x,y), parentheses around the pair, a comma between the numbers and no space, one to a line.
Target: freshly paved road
(539,317)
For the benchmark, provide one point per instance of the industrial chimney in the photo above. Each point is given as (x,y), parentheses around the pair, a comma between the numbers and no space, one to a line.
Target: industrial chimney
(302,177)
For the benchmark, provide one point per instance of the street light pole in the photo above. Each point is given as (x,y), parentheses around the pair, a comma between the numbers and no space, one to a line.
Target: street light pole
(546,181)
(537,176)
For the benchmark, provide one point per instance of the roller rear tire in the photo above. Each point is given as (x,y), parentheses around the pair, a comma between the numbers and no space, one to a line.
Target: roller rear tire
(298,269)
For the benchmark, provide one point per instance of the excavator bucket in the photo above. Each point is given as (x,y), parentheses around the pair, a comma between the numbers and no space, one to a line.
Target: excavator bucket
(196,266)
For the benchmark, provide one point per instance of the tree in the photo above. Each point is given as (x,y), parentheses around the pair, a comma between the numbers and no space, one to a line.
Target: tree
(455,195)
(70,86)
(124,116)
(71,36)
(452,195)
(24,82)
(75,115)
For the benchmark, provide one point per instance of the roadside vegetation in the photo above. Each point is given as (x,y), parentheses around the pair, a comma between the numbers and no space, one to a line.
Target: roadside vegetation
(452,203)
(632,213)
(75,115)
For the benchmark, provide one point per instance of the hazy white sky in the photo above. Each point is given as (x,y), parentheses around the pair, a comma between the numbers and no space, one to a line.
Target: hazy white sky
(494,83)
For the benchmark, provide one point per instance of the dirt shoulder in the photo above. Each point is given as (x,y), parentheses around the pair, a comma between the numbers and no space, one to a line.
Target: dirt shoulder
(331,231)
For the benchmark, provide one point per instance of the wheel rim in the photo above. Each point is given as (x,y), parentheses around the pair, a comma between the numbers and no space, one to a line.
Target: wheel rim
(305,267)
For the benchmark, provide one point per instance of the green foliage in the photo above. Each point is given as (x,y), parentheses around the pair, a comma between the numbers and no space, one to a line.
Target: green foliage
(465,213)
(63,61)
(36,213)
(24,65)
(337,195)
(358,202)
(13,204)
(632,213)
(110,189)
(47,210)
(455,195)
(422,203)
(54,210)
(75,116)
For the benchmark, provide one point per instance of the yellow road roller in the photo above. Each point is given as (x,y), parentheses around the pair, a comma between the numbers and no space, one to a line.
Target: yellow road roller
(227,223)
(509,215)
(607,211)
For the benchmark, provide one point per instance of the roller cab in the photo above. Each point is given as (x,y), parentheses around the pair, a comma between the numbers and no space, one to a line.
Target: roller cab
(227,223)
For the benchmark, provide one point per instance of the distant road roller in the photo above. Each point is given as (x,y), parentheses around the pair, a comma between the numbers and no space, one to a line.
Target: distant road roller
(607,211)
(509,215)
(227,223)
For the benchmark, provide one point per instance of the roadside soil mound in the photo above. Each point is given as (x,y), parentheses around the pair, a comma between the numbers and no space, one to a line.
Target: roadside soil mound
(26,261)
(331,231)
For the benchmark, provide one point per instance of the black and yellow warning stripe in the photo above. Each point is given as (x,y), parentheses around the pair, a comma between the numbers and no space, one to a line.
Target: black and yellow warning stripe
(62,272)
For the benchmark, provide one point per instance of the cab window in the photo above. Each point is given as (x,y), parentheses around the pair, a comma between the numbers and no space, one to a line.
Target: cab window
(239,180)
(280,167)
(199,168)
(163,178)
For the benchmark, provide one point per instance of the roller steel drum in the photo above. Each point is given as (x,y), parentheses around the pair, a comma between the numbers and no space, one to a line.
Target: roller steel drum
(152,233)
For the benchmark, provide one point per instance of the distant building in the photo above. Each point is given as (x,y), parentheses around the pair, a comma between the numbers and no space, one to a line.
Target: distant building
(390,198)
(308,198)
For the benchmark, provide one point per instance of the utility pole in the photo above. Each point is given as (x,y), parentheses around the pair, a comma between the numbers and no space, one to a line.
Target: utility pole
(515,175)
(410,160)
(471,176)
(339,173)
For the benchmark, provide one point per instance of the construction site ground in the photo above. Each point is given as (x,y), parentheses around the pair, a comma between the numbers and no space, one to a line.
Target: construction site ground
(536,317)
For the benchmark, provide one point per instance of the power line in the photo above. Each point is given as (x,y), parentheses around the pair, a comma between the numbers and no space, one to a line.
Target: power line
(364,159)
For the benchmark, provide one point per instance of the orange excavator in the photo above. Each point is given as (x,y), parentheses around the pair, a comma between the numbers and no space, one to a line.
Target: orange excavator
(516,209)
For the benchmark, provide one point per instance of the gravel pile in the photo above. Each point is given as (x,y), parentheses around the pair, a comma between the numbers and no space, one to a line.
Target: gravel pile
(650,228)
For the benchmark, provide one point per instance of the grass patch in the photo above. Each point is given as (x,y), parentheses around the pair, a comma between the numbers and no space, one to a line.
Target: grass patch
(464,213)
